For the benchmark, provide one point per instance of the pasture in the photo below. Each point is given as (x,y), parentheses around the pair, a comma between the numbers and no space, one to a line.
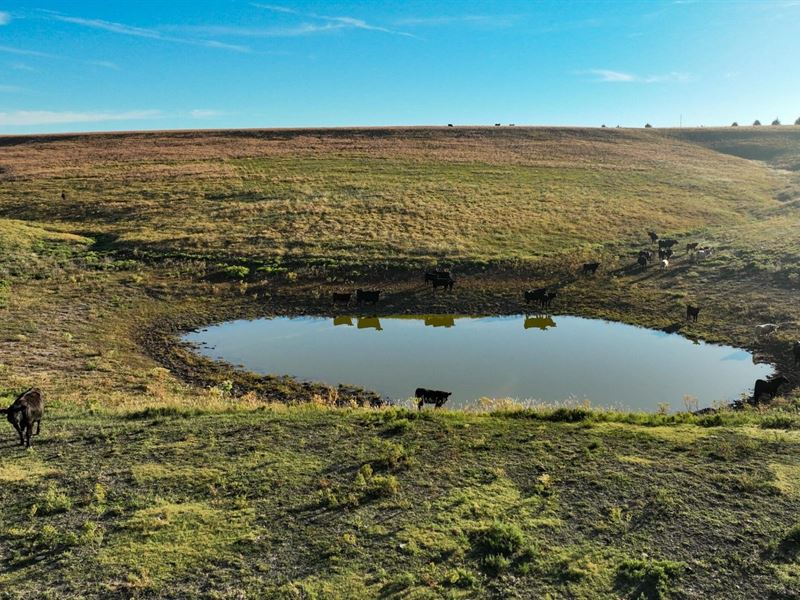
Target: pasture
(156,471)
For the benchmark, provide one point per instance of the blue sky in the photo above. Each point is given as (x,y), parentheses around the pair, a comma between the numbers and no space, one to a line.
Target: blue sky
(104,65)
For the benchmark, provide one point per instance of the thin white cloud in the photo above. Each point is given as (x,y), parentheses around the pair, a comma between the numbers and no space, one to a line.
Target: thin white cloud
(204,113)
(11,89)
(5,18)
(478,20)
(142,32)
(24,52)
(47,117)
(22,67)
(609,76)
(331,23)
(36,53)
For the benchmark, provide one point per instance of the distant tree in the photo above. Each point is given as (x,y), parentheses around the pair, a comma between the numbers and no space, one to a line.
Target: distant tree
(776,122)
(798,121)
(756,123)
(603,125)
(648,126)
(734,124)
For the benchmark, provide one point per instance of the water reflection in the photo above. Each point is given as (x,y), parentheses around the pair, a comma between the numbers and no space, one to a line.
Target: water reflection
(343,321)
(369,323)
(440,320)
(539,322)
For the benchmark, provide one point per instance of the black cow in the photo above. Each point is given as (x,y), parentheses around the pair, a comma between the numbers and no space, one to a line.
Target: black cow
(445,281)
(341,297)
(548,298)
(653,236)
(770,388)
(669,243)
(590,268)
(665,253)
(796,352)
(371,296)
(691,246)
(26,410)
(431,276)
(642,260)
(647,254)
(435,397)
(535,295)
(692,312)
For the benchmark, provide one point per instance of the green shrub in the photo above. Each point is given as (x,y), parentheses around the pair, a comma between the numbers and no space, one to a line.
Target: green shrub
(495,563)
(55,500)
(500,538)
(650,579)
(234,271)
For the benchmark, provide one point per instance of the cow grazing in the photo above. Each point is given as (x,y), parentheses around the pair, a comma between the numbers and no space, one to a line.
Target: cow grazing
(449,124)
(590,268)
(665,253)
(702,253)
(497,124)
(691,246)
(653,236)
(435,397)
(647,254)
(342,297)
(664,264)
(642,260)
(770,388)
(431,276)
(692,312)
(796,352)
(766,329)
(445,281)
(668,243)
(371,296)
(26,410)
(535,295)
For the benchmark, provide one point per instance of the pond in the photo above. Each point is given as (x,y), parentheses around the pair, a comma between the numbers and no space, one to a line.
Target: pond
(543,358)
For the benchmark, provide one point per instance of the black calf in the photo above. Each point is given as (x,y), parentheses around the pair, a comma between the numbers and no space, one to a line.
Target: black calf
(692,312)
(435,397)
(590,268)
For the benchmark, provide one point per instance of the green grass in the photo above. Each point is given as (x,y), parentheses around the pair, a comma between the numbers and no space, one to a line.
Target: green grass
(111,508)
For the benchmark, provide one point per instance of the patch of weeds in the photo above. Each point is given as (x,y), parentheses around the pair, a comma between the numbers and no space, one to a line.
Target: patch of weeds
(497,544)
(789,547)
(232,271)
(461,578)
(55,500)
(728,449)
(399,427)
(780,421)
(648,579)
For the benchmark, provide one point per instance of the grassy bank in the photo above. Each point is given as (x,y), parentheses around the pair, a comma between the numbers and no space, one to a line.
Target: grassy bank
(310,503)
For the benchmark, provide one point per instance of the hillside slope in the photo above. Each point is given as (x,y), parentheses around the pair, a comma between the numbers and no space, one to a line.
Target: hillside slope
(374,195)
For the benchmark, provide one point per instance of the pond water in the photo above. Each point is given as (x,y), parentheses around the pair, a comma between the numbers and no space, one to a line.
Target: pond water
(546,359)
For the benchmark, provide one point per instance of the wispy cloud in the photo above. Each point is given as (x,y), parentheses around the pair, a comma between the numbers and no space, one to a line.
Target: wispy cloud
(609,76)
(204,113)
(47,117)
(5,18)
(142,32)
(329,23)
(495,21)
(24,52)
(35,53)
